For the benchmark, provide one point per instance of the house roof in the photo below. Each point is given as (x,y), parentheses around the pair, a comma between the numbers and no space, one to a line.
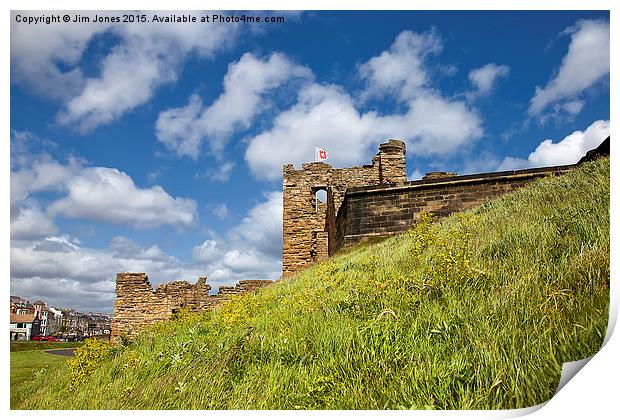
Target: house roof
(22,318)
(55,311)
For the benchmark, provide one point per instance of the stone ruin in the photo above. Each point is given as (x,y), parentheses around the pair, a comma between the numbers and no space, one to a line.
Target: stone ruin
(309,226)
(376,200)
(361,202)
(137,306)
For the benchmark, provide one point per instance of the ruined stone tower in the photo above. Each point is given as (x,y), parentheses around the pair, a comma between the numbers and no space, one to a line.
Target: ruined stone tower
(309,225)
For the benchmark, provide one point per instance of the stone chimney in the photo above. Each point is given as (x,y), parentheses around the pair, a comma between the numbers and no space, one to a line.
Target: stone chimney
(393,165)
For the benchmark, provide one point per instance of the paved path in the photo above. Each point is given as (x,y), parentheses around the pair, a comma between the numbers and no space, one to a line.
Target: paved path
(61,352)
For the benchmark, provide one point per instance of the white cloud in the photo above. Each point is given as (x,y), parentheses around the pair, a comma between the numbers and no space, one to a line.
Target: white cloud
(250,250)
(44,174)
(220,211)
(145,57)
(45,58)
(562,112)
(573,107)
(55,266)
(262,227)
(567,151)
(129,77)
(483,78)
(95,193)
(415,175)
(177,128)
(208,251)
(30,222)
(434,125)
(570,149)
(326,115)
(244,84)
(400,71)
(67,293)
(184,129)
(109,195)
(249,262)
(323,115)
(220,172)
(585,64)
(60,270)
(65,273)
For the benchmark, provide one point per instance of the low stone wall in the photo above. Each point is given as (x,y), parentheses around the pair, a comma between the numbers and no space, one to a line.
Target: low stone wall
(137,306)
(384,210)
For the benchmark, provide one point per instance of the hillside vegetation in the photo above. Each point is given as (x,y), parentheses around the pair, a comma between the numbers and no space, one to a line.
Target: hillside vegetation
(476,312)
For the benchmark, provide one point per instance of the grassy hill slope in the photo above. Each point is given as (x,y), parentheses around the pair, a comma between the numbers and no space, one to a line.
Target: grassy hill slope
(478,311)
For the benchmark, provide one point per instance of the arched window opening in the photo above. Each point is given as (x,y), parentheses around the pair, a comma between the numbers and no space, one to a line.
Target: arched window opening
(319,197)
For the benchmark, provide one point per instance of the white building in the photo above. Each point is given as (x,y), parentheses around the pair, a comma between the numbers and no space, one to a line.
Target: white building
(54,320)
(21,326)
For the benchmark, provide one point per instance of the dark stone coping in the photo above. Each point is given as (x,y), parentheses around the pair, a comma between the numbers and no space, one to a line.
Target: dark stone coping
(602,150)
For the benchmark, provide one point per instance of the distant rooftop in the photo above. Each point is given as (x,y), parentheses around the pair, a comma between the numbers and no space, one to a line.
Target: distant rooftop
(28,318)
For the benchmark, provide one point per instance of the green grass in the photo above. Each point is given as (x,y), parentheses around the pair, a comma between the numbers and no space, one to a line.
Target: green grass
(27,365)
(476,312)
(43,345)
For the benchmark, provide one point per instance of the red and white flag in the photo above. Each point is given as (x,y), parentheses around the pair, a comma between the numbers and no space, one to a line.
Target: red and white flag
(320,154)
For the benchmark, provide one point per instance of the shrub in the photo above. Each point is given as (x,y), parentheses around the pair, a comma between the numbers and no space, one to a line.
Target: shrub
(450,257)
(86,360)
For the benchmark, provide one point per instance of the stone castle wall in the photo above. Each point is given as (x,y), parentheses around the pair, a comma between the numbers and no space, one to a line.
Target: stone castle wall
(138,306)
(382,211)
(309,226)
(377,200)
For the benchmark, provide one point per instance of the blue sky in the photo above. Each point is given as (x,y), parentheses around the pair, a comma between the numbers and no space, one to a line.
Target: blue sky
(159,148)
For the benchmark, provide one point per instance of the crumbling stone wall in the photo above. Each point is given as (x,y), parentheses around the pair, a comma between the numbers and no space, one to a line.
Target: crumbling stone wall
(309,228)
(137,306)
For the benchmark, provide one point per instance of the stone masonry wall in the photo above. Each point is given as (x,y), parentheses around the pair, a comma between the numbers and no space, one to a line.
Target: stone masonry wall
(137,306)
(309,228)
(380,211)
(376,200)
